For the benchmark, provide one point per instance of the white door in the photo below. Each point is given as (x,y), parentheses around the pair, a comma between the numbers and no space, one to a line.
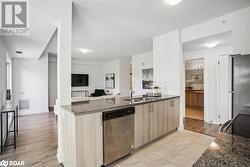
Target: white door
(223,89)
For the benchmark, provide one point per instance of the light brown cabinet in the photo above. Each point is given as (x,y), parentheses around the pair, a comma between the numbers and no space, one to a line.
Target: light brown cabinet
(200,102)
(195,98)
(155,119)
(142,125)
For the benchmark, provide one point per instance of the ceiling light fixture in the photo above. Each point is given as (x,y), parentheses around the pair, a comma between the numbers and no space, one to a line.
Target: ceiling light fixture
(212,44)
(85,50)
(172,2)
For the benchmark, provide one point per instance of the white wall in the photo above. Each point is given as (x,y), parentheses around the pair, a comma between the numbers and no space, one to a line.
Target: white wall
(78,66)
(120,67)
(3,77)
(169,67)
(97,72)
(210,57)
(52,74)
(140,62)
(30,82)
(241,31)
(3,72)
(125,76)
(166,60)
(94,69)
(112,67)
(238,22)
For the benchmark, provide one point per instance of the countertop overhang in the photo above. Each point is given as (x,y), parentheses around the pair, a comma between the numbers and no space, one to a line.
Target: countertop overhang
(104,105)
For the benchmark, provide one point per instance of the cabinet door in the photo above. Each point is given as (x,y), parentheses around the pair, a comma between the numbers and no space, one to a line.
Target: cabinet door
(201,100)
(194,99)
(187,96)
(157,120)
(142,125)
(165,116)
(170,114)
(176,109)
(154,117)
(161,118)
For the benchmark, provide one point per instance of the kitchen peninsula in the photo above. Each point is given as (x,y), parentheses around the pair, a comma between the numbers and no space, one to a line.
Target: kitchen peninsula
(83,126)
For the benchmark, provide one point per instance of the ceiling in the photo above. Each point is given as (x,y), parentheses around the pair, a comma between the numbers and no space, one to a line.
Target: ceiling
(42,26)
(115,28)
(225,39)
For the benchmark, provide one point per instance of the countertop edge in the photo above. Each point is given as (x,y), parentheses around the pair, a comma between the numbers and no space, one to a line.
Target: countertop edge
(65,107)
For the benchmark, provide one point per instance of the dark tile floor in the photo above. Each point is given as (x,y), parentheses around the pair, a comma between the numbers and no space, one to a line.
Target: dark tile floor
(201,127)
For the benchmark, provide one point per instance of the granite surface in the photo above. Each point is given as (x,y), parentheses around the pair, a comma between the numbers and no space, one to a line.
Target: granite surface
(226,151)
(103,105)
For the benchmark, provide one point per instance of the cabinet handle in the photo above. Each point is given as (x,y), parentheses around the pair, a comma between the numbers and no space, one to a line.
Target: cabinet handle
(172,103)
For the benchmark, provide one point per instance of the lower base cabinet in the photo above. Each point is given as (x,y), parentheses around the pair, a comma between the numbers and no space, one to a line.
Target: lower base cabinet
(154,120)
(142,125)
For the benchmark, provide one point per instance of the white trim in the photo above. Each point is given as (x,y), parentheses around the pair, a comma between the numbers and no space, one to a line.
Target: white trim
(59,157)
(180,128)
(229,98)
(32,111)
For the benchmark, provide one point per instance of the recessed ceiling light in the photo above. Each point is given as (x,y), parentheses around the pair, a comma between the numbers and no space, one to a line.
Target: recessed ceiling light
(85,50)
(212,44)
(172,2)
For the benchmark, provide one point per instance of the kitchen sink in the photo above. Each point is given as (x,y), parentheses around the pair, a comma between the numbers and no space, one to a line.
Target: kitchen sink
(135,99)
(138,99)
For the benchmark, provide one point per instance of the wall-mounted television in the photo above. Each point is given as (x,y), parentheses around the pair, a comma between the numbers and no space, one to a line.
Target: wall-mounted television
(78,80)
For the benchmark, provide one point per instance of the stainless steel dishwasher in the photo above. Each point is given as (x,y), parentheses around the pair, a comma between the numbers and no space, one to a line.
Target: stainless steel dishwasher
(118,134)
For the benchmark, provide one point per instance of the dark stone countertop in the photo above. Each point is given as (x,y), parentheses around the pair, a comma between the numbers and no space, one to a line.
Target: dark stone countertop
(231,151)
(103,105)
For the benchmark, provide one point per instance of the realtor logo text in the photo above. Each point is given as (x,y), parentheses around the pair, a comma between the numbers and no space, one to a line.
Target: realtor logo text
(14,17)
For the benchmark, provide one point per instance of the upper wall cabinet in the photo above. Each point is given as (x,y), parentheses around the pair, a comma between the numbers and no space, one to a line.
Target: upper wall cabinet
(167,62)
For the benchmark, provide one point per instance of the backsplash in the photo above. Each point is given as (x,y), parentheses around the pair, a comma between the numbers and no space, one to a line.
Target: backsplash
(195,79)
(198,86)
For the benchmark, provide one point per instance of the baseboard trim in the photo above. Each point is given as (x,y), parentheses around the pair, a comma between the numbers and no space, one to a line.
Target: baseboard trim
(180,128)
(32,111)
(59,157)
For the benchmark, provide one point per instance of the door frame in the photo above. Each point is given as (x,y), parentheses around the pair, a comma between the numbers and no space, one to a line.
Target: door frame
(204,108)
(227,115)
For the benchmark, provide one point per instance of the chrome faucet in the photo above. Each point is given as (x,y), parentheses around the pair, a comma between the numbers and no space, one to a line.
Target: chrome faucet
(131,94)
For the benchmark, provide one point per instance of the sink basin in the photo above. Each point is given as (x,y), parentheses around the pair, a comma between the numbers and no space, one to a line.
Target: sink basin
(135,99)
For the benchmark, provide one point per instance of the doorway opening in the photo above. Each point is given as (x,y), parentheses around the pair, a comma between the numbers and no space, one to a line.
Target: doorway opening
(194,89)
(207,82)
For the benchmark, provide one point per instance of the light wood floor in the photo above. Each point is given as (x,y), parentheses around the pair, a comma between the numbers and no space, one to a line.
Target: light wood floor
(195,112)
(36,142)
(37,146)
(200,126)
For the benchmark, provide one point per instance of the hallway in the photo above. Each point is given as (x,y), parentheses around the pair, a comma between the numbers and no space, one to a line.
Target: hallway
(36,141)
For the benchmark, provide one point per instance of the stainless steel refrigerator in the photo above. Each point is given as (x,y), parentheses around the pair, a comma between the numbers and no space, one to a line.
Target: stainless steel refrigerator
(240,84)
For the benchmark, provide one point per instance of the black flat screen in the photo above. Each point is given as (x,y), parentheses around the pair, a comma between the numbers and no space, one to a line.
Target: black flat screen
(79,80)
